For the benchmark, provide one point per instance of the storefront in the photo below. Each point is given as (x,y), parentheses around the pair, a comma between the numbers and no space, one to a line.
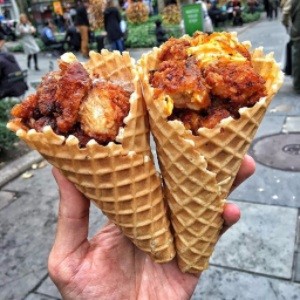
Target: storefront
(9,10)
(41,10)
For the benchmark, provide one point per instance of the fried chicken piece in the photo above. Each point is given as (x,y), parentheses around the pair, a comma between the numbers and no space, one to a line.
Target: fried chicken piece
(174,49)
(183,81)
(214,117)
(57,100)
(46,93)
(102,113)
(73,87)
(236,82)
(25,110)
(193,120)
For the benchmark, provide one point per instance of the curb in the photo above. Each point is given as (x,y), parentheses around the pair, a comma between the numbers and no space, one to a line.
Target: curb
(18,166)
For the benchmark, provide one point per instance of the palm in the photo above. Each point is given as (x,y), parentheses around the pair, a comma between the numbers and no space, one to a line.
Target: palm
(110,266)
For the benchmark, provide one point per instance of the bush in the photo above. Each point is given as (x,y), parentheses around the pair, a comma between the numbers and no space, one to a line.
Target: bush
(143,35)
(7,138)
(248,17)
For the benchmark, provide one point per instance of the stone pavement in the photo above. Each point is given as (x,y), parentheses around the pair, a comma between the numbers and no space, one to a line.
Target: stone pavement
(257,259)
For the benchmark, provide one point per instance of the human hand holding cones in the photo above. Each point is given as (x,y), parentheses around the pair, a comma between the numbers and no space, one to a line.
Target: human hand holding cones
(198,170)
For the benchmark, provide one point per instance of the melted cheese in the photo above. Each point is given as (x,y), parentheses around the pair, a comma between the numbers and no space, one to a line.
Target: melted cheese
(214,47)
(168,104)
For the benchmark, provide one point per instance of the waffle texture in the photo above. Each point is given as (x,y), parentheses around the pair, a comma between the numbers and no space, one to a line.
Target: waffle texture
(119,178)
(198,171)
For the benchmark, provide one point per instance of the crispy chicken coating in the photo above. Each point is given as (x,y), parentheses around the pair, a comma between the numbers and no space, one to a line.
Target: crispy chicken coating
(208,78)
(235,81)
(174,49)
(74,85)
(193,120)
(57,100)
(102,114)
(71,103)
(183,81)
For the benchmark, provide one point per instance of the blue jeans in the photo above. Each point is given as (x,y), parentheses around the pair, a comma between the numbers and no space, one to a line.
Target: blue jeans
(117,45)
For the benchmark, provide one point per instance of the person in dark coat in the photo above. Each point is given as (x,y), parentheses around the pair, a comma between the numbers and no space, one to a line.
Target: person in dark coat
(291,20)
(73,38)
(160,33)
(8,66)
(112,19)
(83,25)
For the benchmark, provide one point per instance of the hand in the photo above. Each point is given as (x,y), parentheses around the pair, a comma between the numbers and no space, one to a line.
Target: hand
(109,266)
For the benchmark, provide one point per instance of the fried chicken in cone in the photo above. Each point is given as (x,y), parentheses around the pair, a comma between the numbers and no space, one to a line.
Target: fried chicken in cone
(89,120)
(206,96)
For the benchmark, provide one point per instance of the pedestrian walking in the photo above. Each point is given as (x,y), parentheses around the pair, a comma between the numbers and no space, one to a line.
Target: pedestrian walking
(273,9)
(83,25)
(291,20)
(31,48)
(266,7)
(112,20)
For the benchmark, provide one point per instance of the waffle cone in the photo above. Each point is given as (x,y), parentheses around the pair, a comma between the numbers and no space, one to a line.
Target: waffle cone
(119,178)
(198,171)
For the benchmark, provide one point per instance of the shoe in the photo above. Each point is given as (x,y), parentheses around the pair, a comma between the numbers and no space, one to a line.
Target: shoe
(37,69)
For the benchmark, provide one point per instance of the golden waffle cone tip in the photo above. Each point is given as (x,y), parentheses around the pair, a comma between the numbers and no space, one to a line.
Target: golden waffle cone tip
(198,171)
(119,178)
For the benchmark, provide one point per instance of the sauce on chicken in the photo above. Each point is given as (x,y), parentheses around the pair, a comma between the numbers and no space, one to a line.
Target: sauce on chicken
(71,103)
(207,78)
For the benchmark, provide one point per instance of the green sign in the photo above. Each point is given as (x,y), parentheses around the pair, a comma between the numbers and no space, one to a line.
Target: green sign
(192,18)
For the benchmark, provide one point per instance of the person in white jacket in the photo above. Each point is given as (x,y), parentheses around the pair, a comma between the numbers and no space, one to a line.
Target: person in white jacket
(208,27)
(25,30)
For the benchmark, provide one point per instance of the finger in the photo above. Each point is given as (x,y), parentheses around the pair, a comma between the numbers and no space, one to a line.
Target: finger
(73,217)
(231,215)
(246,170)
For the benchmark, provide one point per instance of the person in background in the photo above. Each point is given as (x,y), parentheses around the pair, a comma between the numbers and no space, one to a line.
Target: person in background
(207,26)
(273,9)
(59,22)
(2,43)
(160,33)
(108,265)
(48,37)
(112,19)
(30,47)
(252,6)
(72,38)
(82,23)
(8,66)
(216,14)
(291,20)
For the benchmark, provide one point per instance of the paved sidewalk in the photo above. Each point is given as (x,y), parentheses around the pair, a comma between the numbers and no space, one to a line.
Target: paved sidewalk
(257,259)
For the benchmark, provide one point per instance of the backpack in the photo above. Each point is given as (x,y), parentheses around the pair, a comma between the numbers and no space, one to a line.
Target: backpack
(12,78)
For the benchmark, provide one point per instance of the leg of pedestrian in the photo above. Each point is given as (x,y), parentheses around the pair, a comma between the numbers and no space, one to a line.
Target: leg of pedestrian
(296,66)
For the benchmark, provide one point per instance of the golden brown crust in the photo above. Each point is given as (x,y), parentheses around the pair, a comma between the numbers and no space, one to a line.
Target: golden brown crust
(62,101)
(208,78)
